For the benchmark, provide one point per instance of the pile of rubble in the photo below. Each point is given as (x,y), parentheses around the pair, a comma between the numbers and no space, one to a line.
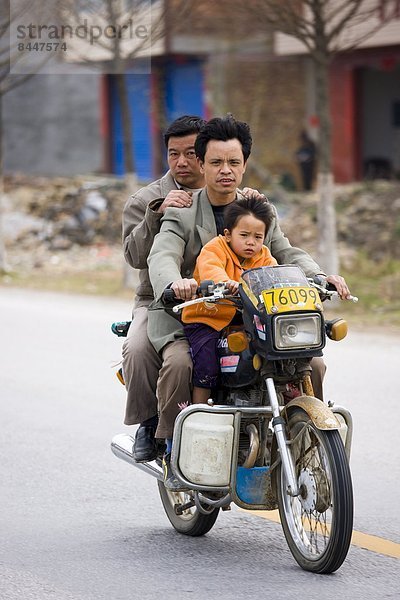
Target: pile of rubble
(368,220)
(77,221)
(61,212)
(52,221)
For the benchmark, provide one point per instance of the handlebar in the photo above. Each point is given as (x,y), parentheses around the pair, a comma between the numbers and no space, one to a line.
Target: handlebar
(207,291)
(212,293)
(327,289)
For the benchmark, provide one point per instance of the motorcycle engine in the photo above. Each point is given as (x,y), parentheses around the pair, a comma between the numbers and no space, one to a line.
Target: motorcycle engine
(245,397)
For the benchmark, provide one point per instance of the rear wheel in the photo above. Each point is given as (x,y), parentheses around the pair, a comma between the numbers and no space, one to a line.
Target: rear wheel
(191,522)
(318,523)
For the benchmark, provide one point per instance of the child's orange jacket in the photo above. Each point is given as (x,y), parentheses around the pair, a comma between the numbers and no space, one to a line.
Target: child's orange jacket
(218,262)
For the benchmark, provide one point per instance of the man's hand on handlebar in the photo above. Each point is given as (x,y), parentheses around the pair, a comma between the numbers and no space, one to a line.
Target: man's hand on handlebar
(341,286)
(185,289)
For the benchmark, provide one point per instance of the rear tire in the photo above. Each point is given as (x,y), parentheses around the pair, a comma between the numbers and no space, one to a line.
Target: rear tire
(191,522)
(318,523)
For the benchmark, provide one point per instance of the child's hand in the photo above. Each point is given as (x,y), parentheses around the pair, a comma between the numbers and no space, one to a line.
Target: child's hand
(233,286)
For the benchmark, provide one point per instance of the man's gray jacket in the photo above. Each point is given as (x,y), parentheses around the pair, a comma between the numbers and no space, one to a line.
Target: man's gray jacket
(176,247)
(140,224)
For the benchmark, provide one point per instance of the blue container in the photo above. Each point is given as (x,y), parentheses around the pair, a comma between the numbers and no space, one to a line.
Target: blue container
(252,484)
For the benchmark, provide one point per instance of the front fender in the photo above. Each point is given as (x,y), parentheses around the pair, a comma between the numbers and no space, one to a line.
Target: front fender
(320,414)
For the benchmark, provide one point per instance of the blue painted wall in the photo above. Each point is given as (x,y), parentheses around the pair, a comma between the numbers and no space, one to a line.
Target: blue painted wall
(139,96)
(184,90)
(183,85)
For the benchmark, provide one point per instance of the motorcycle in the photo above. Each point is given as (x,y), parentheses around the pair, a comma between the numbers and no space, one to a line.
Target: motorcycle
(264,441)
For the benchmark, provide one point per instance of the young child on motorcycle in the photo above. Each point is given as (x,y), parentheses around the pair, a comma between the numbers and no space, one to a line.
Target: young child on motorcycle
(224,259)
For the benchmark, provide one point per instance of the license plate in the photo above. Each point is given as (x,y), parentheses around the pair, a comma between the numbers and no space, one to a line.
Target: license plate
(290,298)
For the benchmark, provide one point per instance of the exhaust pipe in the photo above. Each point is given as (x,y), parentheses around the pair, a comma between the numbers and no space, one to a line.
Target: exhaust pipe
(254,446)
(122,446)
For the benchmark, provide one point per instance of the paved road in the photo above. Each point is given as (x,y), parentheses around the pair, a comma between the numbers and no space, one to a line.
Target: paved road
(76,524)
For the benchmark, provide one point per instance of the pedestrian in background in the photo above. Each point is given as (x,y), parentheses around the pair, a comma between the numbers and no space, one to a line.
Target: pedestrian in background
(306,157)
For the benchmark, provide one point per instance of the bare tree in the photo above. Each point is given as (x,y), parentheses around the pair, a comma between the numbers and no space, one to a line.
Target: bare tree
(324,28)
(119,33)
(107,35)
(10,55)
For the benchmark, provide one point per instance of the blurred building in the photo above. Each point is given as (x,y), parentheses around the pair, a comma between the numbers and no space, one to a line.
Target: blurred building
(364,96)
(67,119)
(218,63)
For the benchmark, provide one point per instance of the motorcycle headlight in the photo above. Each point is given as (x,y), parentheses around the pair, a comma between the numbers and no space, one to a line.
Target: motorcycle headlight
(297,331)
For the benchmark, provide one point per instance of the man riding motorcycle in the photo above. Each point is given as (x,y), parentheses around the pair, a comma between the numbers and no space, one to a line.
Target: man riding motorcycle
(222,147)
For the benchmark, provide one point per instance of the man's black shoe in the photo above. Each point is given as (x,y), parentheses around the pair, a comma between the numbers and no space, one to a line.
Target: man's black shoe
(145,447)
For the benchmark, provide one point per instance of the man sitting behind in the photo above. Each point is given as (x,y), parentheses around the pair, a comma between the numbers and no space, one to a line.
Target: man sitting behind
(141,222)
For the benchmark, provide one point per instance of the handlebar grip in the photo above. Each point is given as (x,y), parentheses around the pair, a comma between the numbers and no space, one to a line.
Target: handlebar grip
(330,287)
(168,296)
(320,280)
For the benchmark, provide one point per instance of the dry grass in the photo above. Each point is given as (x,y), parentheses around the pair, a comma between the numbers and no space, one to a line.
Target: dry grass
(99,282)
(376,284)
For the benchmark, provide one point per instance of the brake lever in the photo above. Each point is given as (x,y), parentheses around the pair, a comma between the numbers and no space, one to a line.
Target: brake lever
(330,293)
(335,294)
(218,295)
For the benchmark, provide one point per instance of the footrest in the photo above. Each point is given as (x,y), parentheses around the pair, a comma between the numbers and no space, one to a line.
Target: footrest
(120,328)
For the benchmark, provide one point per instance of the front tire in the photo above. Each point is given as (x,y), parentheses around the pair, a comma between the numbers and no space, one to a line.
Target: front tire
(318,523)
(191,522)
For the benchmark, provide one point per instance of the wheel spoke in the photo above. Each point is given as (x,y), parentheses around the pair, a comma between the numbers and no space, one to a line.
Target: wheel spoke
(310,519)
(182,498)
(190,522)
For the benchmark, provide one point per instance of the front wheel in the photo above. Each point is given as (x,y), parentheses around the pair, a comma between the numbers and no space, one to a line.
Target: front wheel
(318,523)
(191,522)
